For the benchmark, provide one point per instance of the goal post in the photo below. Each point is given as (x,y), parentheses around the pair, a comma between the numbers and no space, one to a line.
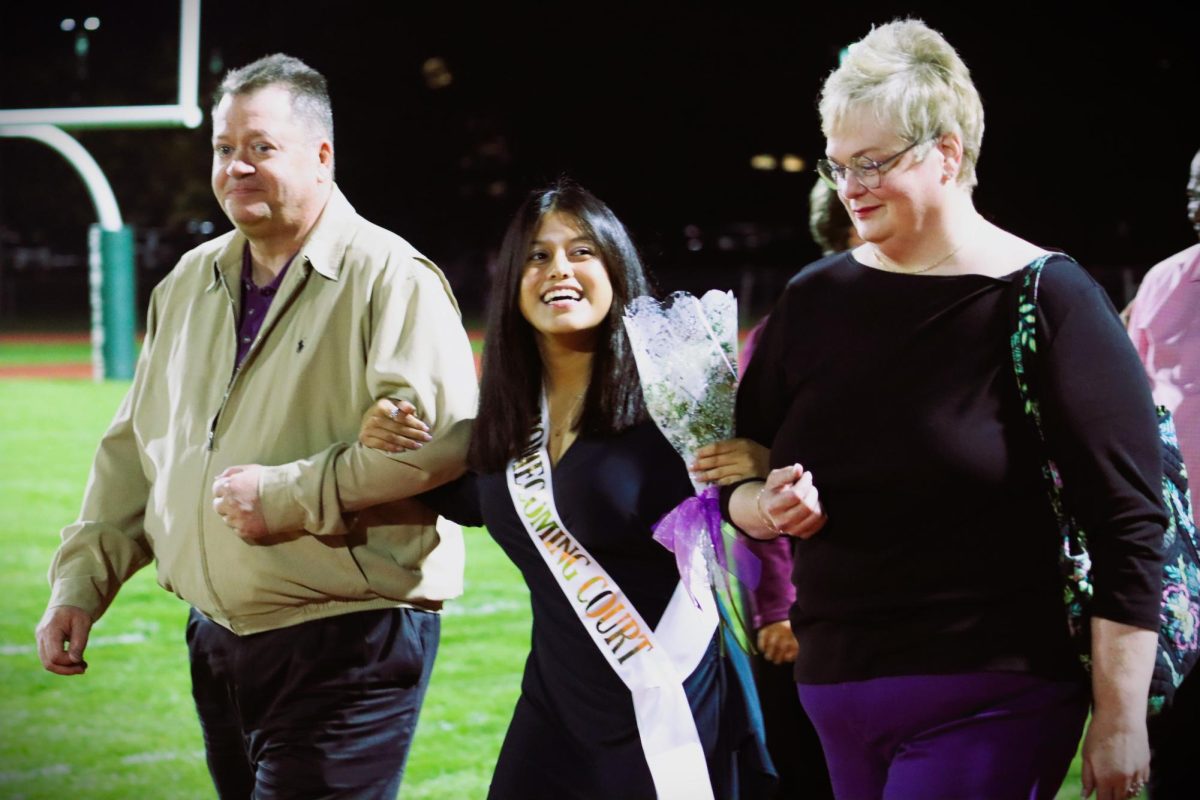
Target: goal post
(112,285)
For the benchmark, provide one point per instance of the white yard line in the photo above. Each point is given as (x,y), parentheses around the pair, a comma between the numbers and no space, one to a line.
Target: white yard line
(98,641)
(30,774)
(457,609)
(130,761)
(153,758)
(453,609)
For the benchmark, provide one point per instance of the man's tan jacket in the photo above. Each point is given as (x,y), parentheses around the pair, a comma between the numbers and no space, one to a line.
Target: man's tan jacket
(360,315)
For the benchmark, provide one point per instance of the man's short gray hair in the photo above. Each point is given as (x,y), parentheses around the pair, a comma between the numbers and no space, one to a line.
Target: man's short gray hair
(916,84)
(308,88)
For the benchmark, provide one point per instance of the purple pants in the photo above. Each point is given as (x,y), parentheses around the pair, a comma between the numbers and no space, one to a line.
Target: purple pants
(987,735)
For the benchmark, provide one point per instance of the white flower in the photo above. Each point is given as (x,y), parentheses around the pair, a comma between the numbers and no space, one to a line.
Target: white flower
(686,352)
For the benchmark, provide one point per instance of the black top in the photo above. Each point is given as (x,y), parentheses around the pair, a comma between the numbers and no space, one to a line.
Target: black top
(939,554)
(609,491)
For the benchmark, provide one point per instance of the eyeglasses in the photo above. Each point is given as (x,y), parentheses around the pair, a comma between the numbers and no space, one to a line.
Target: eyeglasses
(866,171)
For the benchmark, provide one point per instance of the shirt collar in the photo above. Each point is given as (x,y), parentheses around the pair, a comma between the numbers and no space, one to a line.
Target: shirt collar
(322,250)
(248,284)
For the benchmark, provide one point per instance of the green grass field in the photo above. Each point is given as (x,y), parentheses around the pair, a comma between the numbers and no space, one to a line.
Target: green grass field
(128,729)
(46,353)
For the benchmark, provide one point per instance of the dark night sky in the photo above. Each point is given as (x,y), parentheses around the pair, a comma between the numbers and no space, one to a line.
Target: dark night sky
(658,110)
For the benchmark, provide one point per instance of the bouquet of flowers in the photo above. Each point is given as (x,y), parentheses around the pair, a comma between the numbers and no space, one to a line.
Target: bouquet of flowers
(686,353)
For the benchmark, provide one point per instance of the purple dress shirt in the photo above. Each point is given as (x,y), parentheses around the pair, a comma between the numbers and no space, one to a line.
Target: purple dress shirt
(256,302)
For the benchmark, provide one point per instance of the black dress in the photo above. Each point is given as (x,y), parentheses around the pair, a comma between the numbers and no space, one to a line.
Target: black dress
(573,732)
(939,554)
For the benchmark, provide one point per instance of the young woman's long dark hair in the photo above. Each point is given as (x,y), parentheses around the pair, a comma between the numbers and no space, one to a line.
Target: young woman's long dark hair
(511,387)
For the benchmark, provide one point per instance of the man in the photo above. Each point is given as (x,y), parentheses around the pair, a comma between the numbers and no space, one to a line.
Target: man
(314,603)
(1165,325)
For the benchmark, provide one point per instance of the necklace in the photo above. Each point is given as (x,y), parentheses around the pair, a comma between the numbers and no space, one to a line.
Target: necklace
(887,265)
(564,424)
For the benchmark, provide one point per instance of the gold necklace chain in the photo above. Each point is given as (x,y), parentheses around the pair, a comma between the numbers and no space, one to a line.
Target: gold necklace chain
(887,265)
(558,429)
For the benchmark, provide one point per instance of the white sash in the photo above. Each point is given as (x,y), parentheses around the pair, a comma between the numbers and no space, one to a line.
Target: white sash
(651,663)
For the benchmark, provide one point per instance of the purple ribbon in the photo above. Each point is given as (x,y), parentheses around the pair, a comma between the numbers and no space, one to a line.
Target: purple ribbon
(695,524)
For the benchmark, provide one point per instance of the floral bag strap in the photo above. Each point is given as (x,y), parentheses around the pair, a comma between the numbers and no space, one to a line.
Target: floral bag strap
(1074,562)
(1179,629)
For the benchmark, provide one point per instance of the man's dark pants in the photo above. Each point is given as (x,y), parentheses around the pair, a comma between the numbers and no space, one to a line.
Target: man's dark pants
(324,709)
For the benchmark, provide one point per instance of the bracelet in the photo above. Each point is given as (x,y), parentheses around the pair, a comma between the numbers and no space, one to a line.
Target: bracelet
(763,515)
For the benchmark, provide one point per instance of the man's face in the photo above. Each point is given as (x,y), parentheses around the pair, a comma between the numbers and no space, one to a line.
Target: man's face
(1193,194)
(269,171)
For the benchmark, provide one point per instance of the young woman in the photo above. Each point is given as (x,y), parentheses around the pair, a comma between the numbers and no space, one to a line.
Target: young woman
(629,690)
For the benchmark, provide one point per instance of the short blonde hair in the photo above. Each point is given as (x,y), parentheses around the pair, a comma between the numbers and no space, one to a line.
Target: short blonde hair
(915,82)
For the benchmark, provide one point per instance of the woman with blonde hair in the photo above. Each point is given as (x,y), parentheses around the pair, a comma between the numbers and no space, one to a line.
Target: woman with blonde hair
(934,657)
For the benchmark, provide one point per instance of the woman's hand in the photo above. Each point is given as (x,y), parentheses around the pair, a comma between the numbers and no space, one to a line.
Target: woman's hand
(790,503)
(730,461)
(392,426)
(1116,749)
(777,643)
(787,503)
(1116,756)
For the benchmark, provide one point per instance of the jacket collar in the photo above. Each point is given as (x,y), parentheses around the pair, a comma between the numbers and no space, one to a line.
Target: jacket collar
(322,251)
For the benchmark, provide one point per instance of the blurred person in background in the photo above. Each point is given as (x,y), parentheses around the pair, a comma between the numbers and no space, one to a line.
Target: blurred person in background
(1164,323)
(829,222)
(791,738)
